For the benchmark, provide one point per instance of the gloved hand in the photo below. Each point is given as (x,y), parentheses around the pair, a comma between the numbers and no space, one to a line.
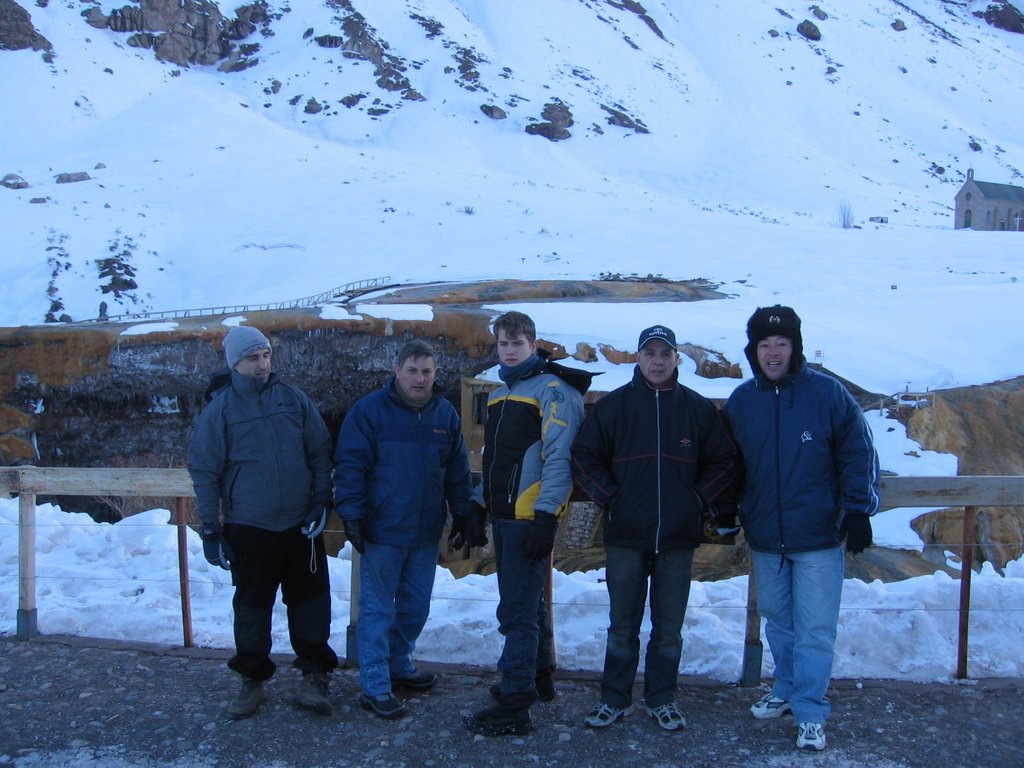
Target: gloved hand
(215,549)
(316,520)
(856,528)
(476,525)
(540,539)
(354,531)
(726,523)
(457,535)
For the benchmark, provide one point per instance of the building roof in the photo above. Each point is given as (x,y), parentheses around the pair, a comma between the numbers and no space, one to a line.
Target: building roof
(1000,191)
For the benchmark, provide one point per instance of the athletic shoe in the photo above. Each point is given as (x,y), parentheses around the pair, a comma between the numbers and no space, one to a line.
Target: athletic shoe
(668,716)
(385,705)
(249,697)
(604,715)
(810,736)
(769,707)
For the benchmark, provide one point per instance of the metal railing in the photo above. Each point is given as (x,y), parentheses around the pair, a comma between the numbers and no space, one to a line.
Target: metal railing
(342,291)
(29,482)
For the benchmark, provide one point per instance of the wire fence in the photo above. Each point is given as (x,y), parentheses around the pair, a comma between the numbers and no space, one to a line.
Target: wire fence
(26,482)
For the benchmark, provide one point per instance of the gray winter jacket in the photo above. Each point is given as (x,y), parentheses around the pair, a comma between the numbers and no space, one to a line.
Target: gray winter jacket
(260,455)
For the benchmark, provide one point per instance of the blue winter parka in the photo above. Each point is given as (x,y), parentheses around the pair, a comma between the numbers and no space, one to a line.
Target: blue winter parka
(401,469)
(260,455)
(808,458)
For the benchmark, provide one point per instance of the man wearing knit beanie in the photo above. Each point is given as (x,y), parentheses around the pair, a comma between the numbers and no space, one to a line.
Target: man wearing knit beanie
(242,341)
(811,481)
(260,461)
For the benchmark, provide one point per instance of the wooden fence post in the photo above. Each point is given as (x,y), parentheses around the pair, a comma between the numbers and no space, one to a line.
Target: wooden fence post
(966,571)
(27,626)
(753,649)
(351,647)
(186,597)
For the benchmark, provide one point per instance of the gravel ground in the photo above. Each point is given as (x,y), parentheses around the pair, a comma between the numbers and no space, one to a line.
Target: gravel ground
(84,702)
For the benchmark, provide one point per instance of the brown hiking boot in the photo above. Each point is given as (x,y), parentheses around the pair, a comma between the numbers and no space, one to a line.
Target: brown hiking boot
(248,699)
(312,693)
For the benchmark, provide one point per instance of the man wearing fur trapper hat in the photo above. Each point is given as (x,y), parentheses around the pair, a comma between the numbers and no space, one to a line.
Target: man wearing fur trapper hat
(811,480)
(260,461)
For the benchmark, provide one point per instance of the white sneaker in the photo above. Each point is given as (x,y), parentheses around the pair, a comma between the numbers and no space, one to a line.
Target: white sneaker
(769,707)
(604,715)
(810,736)
(668,716)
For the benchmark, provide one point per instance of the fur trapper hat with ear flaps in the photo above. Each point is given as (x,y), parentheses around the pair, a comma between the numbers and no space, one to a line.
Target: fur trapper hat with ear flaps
(774,321)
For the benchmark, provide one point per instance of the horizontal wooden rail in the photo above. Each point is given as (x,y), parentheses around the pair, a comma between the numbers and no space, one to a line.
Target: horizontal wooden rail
(897,491)
(80,481)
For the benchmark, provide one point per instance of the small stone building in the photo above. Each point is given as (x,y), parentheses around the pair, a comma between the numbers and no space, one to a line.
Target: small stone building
(986,206)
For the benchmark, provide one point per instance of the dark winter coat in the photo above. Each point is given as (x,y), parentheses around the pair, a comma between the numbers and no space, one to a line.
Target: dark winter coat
(652,460)
(401,469)
(528,444)
(808,456)
(260,454)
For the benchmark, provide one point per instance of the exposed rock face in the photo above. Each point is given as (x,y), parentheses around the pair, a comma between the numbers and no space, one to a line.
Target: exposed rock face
(1003,15)
(13,181)
(809,29)
(185,32)
(17,31)
(558,118)
(982,426)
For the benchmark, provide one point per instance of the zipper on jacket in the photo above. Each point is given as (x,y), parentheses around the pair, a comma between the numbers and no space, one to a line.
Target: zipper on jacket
(494,452)
(657,432)
(778,466)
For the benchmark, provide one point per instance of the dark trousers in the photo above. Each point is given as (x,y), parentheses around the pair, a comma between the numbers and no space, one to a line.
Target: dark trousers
(522,610)
(627,572)
(265,561)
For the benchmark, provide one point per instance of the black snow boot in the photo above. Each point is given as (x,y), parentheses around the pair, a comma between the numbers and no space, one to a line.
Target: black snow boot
(544,682)
(511,716)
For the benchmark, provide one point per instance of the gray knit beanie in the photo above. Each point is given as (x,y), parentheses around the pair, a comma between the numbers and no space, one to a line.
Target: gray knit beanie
(242,341)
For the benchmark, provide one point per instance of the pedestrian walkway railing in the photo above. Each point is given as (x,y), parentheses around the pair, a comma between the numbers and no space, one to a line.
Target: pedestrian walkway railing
(342,292)
(27,483)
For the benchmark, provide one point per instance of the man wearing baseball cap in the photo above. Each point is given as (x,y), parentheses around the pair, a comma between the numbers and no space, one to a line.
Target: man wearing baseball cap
(654,455)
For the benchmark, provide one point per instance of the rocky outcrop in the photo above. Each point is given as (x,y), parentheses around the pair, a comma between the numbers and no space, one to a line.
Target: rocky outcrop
(17,32)
(809,29)
(982,427)
(186,32)
(557,120)
(1003,15)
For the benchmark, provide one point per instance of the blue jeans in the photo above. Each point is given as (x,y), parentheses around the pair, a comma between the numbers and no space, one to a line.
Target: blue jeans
(798,594)
(522,610)
(394,602)
(627,571)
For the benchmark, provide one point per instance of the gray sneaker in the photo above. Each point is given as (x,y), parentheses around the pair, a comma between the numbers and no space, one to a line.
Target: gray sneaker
(248,699)
(312,693)
(769,707)
(810,736)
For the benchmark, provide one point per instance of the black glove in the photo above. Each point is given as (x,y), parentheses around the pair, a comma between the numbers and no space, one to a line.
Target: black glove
(316,520)
(354,531)
(540,539)
(476,525)
(457,535)
(215,549)
(857,530)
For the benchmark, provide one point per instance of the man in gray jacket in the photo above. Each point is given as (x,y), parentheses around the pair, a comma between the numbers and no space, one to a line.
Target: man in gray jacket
(260,462)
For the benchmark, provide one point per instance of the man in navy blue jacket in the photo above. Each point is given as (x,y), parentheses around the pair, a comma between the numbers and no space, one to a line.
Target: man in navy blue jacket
(811,480)
(400,467)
